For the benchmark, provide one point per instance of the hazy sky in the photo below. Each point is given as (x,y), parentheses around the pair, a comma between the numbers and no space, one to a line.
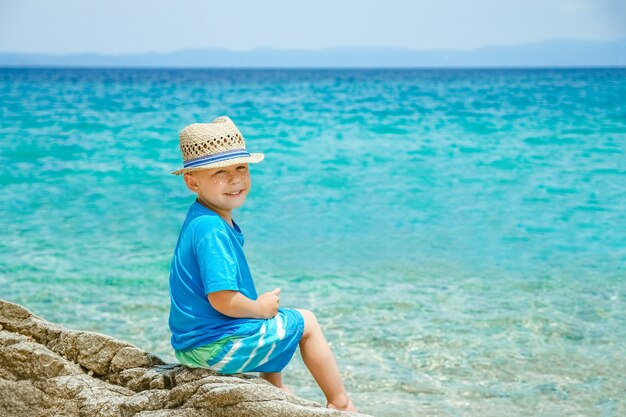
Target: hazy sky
(123,26)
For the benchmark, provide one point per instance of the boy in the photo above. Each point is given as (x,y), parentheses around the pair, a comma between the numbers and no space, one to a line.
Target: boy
(216,317)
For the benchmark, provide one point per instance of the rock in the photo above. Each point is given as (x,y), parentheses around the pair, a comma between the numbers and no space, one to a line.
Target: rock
(47,370)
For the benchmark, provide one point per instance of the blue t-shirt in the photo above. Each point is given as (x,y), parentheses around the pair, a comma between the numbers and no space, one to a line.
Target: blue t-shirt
(208,257)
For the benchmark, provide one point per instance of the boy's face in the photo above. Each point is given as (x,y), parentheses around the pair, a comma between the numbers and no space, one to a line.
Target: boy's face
(221,189)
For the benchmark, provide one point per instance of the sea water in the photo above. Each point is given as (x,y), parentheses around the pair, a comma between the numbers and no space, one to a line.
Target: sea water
(460,234)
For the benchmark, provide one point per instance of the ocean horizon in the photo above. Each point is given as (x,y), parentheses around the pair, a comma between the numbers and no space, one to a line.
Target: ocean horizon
(549,53)
(458,232)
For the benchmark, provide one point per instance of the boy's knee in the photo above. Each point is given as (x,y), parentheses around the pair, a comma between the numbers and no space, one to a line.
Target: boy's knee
(310,322)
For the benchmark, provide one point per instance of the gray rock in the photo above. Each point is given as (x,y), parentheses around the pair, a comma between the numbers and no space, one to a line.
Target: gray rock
(47,370)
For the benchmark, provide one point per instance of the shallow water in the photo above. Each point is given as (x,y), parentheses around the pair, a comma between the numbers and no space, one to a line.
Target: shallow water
(459,233)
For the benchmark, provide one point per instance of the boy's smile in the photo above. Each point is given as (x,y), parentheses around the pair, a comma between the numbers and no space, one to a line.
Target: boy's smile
(221,189)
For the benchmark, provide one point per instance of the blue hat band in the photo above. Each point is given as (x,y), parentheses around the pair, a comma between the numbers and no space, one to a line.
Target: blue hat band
(216,157)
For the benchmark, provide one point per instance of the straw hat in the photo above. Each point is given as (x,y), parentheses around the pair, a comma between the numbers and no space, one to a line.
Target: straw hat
(213,145)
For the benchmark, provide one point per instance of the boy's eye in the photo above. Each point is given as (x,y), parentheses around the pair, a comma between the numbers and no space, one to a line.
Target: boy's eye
(239,168)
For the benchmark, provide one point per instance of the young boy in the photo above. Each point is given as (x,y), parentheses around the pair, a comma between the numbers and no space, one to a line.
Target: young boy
(216,317)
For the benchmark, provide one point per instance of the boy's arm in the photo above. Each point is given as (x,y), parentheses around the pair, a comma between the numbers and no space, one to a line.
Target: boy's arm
(235,304)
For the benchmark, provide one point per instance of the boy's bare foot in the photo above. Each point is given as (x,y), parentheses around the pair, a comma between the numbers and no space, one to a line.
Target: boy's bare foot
(287,389)
(344,404)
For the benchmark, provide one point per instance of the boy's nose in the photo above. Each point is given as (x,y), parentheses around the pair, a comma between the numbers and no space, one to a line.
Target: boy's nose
(233,178)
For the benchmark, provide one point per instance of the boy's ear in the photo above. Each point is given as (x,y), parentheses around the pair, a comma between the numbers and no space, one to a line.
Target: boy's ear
(190,181)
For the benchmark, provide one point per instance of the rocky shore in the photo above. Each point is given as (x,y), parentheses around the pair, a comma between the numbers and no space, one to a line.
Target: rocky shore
(47,370)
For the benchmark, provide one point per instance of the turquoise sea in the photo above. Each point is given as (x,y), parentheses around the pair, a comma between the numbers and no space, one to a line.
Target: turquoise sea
(461,234)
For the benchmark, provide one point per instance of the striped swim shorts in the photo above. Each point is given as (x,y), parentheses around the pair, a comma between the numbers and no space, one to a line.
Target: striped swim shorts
(269,350)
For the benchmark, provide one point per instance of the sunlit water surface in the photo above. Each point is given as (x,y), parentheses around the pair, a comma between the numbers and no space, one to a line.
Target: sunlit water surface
(460,234)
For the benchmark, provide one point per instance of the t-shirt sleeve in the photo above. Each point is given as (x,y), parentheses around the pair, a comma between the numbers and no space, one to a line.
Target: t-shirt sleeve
(217,262)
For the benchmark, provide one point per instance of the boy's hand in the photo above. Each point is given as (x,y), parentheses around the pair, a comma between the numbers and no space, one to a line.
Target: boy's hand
(268,303)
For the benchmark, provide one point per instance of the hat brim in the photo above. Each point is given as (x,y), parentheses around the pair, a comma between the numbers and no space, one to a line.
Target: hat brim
(253,158)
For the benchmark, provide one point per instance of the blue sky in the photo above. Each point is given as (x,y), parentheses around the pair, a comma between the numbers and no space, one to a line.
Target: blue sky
(127,26)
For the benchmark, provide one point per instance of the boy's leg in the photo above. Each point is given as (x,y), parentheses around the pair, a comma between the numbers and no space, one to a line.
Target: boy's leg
(276,379)
(321,362)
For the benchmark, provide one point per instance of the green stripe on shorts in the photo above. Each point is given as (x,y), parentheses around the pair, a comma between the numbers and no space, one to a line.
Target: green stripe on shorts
(198,357)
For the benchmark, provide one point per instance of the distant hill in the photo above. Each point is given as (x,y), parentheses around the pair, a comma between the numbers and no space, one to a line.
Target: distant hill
(558,53)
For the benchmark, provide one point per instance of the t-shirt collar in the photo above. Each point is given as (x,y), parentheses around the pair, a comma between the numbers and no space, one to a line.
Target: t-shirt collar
(202,208)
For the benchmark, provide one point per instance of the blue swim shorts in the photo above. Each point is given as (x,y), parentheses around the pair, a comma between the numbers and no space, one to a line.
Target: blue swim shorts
(269,350)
